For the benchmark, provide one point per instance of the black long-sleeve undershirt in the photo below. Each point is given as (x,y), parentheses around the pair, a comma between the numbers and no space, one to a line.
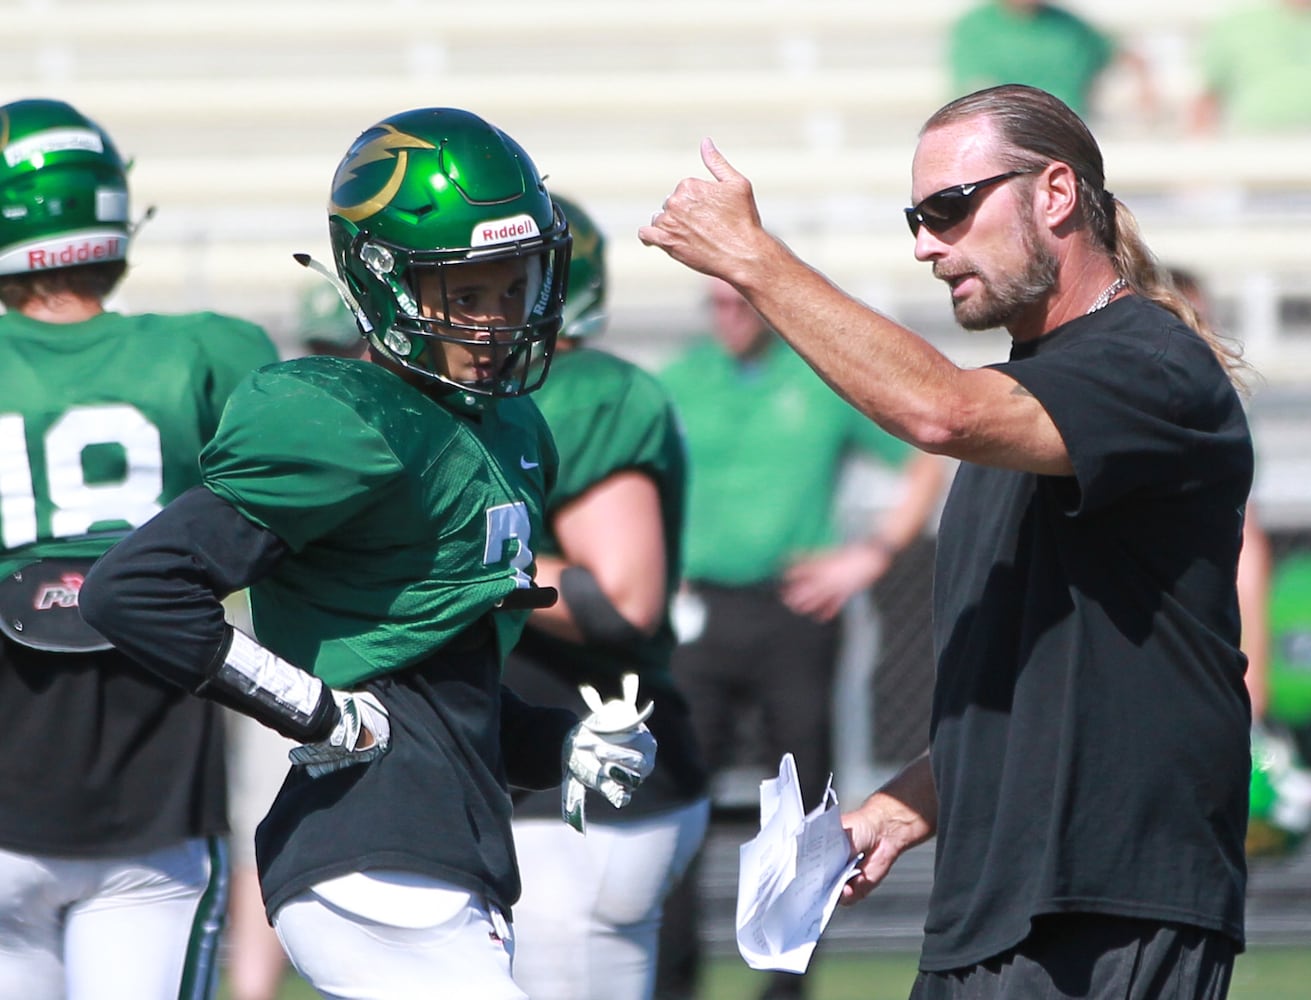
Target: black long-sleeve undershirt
(157,596)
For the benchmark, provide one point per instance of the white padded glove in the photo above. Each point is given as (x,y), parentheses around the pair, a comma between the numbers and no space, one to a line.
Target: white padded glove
(610,751)
(360,711)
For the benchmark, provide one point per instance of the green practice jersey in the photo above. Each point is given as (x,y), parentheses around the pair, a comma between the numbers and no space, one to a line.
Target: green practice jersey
(101,421)
(406,520)
(608,416)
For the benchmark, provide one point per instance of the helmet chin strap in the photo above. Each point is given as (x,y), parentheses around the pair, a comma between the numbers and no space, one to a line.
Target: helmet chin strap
(305,260)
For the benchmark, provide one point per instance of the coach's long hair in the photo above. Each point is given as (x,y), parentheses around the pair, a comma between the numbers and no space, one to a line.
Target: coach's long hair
(1037,129)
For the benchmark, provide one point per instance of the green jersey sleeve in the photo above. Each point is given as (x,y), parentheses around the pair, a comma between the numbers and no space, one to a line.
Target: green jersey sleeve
(610,416)
(295,457)
(233,348)
(607,416)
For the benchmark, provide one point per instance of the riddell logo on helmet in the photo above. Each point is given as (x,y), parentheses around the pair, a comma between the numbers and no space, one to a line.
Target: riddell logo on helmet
(75,252)
(516,227)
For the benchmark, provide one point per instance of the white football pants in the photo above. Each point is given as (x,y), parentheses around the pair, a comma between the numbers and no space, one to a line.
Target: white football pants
(131,928)
(587,925)
(381,935)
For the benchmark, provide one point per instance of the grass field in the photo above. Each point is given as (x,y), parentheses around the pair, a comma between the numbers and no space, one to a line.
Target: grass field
(1261,974)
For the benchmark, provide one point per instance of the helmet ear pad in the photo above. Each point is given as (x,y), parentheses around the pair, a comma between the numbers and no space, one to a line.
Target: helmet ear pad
(377,304)
(63,190)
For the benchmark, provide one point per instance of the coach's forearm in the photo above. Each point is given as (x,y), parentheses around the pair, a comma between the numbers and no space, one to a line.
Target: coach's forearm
(884,369)
(907,805)
(896,377)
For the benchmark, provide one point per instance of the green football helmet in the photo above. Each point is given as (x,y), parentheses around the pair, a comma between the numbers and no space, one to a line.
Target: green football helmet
(584,308)
(417,196)
(63,189)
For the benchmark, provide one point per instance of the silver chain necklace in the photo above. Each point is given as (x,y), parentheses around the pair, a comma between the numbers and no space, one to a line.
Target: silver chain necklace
(1108,293)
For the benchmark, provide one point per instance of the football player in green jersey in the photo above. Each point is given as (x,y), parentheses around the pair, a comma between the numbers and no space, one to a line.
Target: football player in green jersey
(588,924)
(383,513)
(112,796)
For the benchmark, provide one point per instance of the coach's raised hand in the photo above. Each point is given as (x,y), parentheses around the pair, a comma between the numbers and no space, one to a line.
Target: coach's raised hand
(709,225)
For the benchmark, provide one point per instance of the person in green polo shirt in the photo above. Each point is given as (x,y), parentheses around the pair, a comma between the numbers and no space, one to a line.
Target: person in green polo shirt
(1255,65)
(766,575)
(1043,45)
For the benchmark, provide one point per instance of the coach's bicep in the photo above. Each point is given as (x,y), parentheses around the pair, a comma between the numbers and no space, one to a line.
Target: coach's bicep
(991,419)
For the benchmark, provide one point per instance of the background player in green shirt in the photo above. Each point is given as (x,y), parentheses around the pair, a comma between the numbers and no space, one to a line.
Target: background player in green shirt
(383,514)
(112,794)
(588,923)
(1255,65)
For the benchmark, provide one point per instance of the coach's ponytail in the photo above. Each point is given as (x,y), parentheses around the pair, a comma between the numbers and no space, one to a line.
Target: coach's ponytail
(1136,263)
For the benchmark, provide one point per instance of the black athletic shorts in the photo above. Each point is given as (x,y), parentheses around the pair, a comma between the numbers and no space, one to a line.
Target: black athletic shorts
(1095,957)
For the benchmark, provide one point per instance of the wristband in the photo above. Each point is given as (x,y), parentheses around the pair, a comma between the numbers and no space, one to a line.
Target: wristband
(597,618)
(256,682)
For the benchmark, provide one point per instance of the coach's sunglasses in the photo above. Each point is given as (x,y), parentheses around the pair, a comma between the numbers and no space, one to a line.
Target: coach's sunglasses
(952,205)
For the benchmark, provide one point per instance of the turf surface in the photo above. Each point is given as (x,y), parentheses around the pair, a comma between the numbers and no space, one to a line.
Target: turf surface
(1261,974)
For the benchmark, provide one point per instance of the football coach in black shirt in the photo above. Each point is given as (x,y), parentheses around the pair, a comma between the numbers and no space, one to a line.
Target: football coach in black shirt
(1087,769)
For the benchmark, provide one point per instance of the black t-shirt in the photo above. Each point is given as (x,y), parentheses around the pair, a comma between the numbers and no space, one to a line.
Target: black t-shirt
(1090,724)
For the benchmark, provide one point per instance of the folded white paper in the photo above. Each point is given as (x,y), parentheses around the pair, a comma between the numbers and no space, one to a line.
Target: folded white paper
(790,875)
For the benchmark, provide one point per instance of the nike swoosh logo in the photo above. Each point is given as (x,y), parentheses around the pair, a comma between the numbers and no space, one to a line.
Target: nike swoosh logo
(525,464)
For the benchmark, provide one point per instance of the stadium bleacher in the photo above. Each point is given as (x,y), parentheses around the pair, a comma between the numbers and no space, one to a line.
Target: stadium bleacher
(236,113)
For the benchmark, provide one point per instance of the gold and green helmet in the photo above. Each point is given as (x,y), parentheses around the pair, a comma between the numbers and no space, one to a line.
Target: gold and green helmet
(584,308)
(63,189)
(437,188)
